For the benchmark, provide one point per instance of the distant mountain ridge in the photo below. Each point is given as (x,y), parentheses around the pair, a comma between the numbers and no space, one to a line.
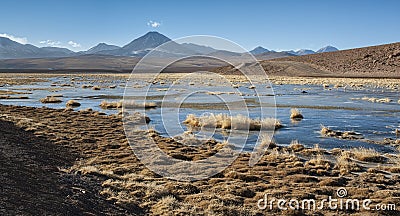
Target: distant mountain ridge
(260,50)
(199,48)
(150,40)
(302,52)
(12,49)
(138,48)
(327,49)
(381,61)
(273,55)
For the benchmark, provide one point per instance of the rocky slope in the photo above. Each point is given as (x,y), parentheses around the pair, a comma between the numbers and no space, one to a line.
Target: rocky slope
(374,61)
(369,62)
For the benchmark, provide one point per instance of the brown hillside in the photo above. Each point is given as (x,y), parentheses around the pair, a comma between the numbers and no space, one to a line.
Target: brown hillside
(374,61)
(369,62)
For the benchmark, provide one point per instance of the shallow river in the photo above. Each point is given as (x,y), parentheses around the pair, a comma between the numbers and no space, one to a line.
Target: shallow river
(335,108)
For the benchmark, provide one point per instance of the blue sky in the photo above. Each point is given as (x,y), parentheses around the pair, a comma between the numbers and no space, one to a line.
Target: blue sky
(278,25)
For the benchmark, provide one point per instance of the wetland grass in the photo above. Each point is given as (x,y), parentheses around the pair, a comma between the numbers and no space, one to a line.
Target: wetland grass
(73,103)
(96,88)
(367,155)
(50,99)
(296,114)
(110,105)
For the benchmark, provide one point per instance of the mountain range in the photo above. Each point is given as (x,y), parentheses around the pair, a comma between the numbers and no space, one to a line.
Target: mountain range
(11,49)
(137,48)
(100,48)
(259,50)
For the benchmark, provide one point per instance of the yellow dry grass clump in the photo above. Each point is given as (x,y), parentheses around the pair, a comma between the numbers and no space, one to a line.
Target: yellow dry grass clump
(395,160)
(50,99)
(133,104)
(296,114)
(73,103)
(224,121)
(129,104)
(345,164)
(346,160)
(325,131)
(296,146)
(110,105)
(367,155)
(96,88)
(319,161)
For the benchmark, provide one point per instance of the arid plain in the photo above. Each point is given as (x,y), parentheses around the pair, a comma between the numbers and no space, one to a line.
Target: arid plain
(64,147)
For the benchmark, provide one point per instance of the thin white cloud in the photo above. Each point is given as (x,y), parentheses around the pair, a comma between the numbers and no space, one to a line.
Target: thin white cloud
(153,24)
(51,43)
(74,44)
(22,40)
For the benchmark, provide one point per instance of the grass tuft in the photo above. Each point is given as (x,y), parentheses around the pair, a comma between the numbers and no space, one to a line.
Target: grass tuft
(50,99)
(225,121)
(367,155)
(110,105)
(296,146)
(73,103)
(345,164)
(133,104)
(296,114)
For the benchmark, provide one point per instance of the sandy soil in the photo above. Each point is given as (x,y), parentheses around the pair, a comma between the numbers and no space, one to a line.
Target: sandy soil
(66,162)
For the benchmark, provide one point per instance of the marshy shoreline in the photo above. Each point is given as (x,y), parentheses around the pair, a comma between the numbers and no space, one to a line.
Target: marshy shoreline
(82,161)
(61,161)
